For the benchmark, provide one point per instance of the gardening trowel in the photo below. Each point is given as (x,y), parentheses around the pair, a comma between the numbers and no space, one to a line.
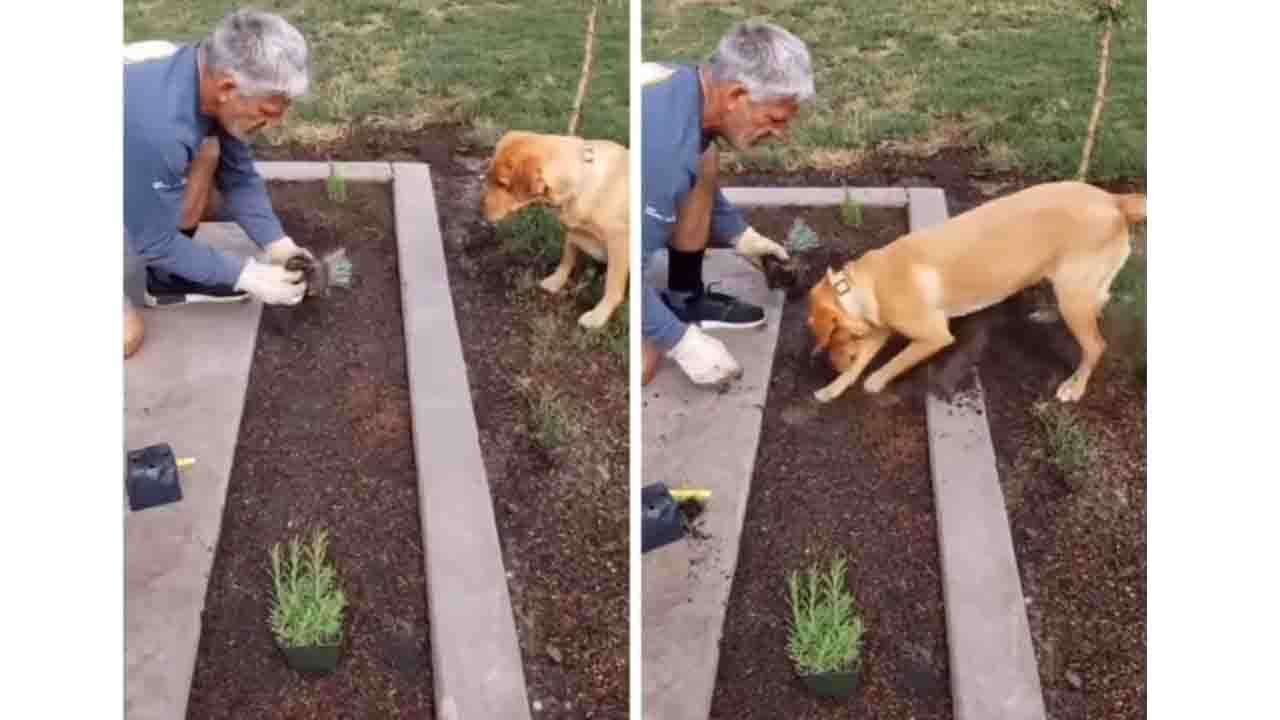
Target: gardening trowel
(334,269)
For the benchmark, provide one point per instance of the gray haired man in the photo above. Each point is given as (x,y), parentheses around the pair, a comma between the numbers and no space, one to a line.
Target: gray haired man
(189,113)
(749,92)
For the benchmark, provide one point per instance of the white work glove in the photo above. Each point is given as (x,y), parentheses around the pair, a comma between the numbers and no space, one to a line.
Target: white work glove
(704,359)
(752,245)
(280,251)
(271,284)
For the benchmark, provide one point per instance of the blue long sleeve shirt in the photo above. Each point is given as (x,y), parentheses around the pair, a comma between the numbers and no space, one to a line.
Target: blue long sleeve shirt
(163,130)
(673,143)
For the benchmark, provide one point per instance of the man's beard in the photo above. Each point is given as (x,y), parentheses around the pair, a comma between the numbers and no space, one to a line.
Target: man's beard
(243,131)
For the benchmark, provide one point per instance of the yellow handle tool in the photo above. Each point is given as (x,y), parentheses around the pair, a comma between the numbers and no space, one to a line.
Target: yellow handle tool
(690,494)
(185,462)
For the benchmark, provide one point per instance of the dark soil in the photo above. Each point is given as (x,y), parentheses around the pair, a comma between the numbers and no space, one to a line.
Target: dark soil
(849,478)
(561,507)
(324,444)
(1080,540)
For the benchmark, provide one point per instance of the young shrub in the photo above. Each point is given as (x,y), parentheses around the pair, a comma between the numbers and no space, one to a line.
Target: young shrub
(850,210)
(801,238)
(826,625)
(337,186)
(308,606)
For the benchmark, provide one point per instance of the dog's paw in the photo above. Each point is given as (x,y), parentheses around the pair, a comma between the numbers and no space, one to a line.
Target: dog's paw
(554,283)
(874,384)
(1070,390)
(826,394)
(594,319)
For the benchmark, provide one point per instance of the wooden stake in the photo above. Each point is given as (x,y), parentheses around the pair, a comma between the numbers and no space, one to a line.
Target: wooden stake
(588,54)
(1099,98)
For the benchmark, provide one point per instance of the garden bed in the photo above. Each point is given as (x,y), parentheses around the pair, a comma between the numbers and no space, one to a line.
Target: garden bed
(850,477)
(1079,536)
(551,405)
(325,443)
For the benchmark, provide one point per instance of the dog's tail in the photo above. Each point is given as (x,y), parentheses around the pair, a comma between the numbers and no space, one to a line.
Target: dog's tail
(1133,207)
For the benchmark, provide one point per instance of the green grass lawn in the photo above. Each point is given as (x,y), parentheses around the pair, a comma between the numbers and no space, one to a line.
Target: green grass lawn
(1016,76)
(499,65)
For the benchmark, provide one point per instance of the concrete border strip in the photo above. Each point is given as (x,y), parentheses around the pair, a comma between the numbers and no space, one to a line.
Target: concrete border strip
(994,675)
(290,171)
(815,196)
(476,662)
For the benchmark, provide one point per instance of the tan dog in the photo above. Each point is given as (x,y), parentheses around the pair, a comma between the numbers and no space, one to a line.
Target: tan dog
(1073,234)
(588,183)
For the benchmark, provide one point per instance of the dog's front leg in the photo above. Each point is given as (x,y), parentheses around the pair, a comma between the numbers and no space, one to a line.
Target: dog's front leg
(554,282)
(912,355)
(867,349)
(615,285)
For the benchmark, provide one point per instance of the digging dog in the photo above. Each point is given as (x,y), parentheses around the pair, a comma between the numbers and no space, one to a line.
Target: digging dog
(587,183)
(1073,234)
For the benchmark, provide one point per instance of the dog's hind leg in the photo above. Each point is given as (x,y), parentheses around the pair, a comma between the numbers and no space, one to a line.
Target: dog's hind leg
(615,290)
(1082,291)
(554,282)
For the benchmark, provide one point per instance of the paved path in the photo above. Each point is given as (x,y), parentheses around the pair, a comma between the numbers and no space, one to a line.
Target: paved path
(706,439)
(185,387)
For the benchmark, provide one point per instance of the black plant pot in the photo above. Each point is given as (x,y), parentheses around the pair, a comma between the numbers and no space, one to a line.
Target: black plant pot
(833,684)
(312,658)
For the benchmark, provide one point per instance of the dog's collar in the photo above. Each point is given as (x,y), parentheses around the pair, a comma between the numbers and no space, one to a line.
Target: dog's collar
(843,286)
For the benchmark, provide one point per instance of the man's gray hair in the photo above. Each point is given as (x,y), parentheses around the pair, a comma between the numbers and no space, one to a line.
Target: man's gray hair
(262,52)
(772,63)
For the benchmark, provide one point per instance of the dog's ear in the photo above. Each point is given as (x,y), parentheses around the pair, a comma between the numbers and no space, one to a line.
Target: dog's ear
(528,179)
(822,322)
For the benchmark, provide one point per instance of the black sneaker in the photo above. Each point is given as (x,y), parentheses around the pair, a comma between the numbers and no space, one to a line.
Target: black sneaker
(172,291)
(708,309)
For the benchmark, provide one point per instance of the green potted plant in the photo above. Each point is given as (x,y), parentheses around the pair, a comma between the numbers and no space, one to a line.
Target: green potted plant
(826,631)
(306,615)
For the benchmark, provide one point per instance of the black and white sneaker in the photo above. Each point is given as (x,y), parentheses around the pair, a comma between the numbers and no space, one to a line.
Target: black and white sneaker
(708,309)
(172,291)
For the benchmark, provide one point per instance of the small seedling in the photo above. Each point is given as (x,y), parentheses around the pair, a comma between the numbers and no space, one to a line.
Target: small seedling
(534,232)
(801,238)
(337,186)
(826,625)
(850,210)
(308,605)
(1066,436)
(553,425)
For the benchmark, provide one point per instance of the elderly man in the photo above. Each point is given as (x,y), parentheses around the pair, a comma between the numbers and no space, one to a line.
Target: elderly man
(189,114)
(750,91)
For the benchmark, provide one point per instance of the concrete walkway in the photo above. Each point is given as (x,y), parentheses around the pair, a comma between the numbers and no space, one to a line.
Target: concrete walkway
(706,439)
(185,387)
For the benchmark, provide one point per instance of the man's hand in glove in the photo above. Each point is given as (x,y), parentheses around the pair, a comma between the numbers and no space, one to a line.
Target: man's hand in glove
(271,284)
(284,249)
(752,246)
(704,359)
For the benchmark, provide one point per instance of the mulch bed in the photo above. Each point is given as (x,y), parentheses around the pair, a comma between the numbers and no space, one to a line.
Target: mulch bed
(325,444)
(561,508)
(850,478)
(1080,539)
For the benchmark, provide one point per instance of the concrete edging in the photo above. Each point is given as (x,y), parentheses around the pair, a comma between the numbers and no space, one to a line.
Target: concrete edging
(475,652)
(816,196)
(290,171)
(994,675)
